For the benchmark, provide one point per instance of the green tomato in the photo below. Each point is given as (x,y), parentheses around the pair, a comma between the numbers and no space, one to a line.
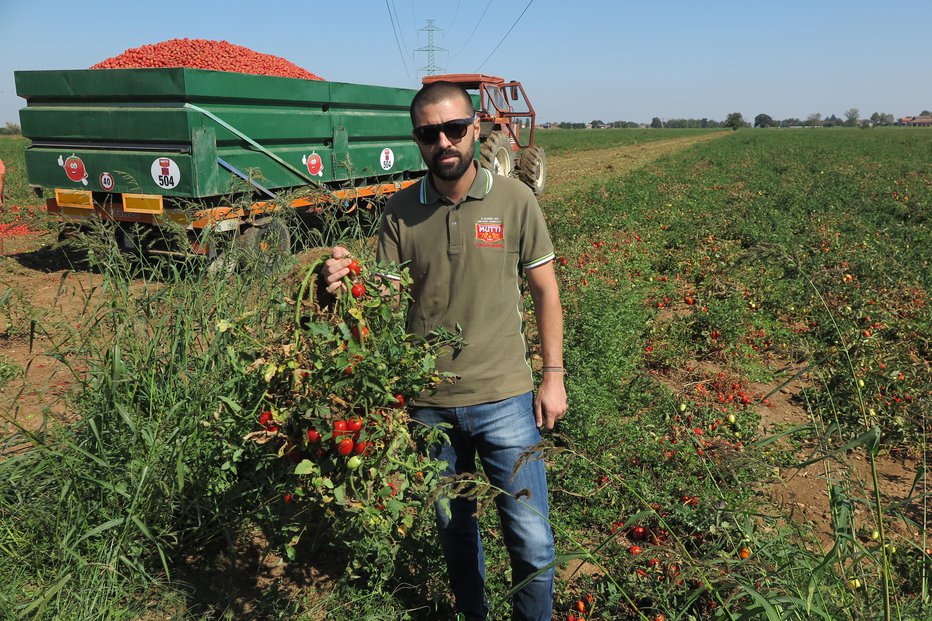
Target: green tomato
(354,462)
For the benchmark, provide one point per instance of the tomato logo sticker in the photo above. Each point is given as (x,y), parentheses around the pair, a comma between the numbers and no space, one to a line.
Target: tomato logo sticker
(165,172)
(74,168)
(106,181)
(388,159)
(315,166)
(490,233)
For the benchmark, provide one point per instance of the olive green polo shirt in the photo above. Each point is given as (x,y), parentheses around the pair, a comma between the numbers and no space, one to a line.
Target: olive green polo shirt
(466,263)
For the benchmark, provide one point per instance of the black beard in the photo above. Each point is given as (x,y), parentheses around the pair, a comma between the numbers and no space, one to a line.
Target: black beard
(449,172)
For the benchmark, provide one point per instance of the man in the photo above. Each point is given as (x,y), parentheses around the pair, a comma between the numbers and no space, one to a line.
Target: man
(2,180)
(466,235)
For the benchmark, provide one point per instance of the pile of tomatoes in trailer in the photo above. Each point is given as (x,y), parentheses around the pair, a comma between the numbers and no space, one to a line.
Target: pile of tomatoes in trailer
(205,54)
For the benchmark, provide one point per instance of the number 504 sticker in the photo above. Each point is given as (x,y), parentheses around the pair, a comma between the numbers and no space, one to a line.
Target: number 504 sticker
(165,172)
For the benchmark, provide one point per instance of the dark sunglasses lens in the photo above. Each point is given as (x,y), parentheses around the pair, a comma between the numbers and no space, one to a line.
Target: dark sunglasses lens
(428,134)
(454,130)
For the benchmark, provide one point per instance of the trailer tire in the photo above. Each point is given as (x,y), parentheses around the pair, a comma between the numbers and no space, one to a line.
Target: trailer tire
(532,169)
(495,154)
(266,245)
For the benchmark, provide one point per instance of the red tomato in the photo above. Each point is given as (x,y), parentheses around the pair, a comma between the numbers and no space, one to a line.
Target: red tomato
(358,290)
(339,429)
(287,498)
(265,418)
(361,448)
(635,550)
(358,334)
(638,533)
(354,268)
(313,436)
(743,553)
(399,401)
(345,447)
(354,424)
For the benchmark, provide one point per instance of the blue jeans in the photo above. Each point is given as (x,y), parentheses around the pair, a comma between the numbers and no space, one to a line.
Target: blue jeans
(498,432)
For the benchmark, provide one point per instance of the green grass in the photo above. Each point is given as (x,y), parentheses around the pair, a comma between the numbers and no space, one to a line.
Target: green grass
(16,190)
(794,247)
(561,141)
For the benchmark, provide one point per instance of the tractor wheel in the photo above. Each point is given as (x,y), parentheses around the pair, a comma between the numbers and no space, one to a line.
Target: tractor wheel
(495,154)
(532,169)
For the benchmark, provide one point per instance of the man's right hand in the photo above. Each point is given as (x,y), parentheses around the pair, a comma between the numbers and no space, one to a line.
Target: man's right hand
(335,269)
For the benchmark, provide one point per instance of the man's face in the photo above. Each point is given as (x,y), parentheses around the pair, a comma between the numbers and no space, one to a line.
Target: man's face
(447,157)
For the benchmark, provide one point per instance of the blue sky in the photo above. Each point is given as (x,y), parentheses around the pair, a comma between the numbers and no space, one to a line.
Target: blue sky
(578,61)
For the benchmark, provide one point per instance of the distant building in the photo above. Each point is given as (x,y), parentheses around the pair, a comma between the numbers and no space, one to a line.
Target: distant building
(916,121)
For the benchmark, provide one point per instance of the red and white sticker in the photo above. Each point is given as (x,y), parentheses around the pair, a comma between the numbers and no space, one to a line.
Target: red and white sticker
(74,168)
(165,172)
(106,181)
(388,159)
(490,233)
(315,165)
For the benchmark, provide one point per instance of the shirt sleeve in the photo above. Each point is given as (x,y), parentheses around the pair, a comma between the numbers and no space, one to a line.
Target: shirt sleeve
(387,250)
(536,246)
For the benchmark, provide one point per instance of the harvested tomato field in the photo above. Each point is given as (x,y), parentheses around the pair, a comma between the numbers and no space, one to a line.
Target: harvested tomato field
(747,345)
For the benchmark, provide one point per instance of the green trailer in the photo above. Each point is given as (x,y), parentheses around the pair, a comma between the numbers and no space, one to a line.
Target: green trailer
(147,146)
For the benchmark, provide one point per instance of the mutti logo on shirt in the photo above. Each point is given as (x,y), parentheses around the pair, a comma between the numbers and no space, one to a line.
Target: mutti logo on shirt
(490,233)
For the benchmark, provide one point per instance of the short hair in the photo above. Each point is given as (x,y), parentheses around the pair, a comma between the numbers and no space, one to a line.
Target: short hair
(435,92)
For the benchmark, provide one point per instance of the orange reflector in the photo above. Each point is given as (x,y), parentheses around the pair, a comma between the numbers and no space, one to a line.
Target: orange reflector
(81,199)
(142,203)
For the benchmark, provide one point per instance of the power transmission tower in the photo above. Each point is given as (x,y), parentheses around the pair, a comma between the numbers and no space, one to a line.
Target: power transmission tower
(430,49)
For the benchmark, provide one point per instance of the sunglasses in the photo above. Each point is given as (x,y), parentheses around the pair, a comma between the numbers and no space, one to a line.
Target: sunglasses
(454,130)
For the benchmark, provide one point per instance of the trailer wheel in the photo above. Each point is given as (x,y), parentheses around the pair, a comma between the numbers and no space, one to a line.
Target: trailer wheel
(532,169)
(495,154)
(265,246)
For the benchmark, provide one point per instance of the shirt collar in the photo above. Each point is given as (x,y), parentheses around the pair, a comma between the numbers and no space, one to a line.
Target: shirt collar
(480,187)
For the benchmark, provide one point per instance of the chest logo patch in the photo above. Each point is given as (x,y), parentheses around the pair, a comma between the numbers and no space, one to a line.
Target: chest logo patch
(490,233)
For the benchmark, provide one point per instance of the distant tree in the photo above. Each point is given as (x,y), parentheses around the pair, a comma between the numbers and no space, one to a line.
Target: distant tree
(791,122)
(831,121)
(925,113)
(734,121)
(888,119)
(852,115)
(763,120)
(814,120)
(11,128)
(656,123)
(596,124)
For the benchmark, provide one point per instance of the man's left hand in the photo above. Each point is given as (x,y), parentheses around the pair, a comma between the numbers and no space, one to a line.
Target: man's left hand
(550,403)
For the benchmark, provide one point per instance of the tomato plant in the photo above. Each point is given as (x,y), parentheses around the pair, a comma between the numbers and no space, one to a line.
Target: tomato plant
(334,384)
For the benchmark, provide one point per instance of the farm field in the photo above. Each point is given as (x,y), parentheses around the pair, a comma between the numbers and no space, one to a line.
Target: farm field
(747,345)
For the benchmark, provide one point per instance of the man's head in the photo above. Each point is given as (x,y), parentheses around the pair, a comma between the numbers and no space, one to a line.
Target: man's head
(445,129)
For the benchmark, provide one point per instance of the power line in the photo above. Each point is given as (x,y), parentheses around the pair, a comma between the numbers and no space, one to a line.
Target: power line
(397,42)
(469,38)
(455,13)
(404,42)
(506,35)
